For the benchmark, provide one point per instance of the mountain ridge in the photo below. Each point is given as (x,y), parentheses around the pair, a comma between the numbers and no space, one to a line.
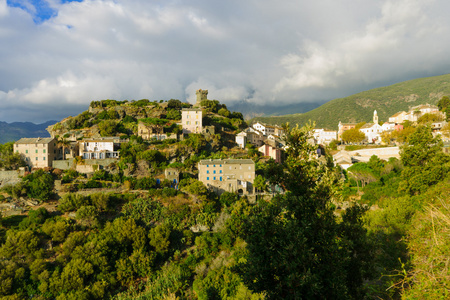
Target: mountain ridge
(10,132)
(359,107)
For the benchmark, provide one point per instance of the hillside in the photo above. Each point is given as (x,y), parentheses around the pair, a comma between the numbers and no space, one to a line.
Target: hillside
(359,107)
(10,132)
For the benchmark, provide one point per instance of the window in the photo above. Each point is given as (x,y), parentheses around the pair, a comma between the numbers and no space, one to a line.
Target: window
(43,151)
(207,178)
(220,178)
(220,166)
(249,167)
(43,158)
(220,171)
(214,171)
(36,158)
(207,166)
(207,171)
(214,166)
(214,178)
(26,151)
(36,150)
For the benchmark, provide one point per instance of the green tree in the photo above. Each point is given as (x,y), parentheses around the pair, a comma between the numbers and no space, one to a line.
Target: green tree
(39,185)
(224,112)
(296,248)
(8,159)
(173,114)
(353,136)
(429,118)
(260,183)
(444,106)
(174,103)
(424,162)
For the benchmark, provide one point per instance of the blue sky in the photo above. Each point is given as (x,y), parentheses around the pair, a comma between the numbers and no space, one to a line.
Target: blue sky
(57,56)
(41,10)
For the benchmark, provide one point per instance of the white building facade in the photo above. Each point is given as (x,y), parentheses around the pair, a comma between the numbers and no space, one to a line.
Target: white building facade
(100,148)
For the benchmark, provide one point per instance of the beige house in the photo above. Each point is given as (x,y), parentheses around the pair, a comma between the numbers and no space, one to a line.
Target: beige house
(191,120)
(415,113)
(398,117)
(37,152)
(99,148)
(342,127)
(227,175)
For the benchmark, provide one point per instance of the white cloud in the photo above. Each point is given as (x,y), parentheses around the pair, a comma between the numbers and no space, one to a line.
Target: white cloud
(257,50)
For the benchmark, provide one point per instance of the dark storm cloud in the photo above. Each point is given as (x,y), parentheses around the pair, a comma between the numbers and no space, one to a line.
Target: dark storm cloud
(263,51)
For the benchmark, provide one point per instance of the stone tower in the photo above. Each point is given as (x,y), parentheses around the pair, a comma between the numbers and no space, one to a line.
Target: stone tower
(201,95)
(375,117)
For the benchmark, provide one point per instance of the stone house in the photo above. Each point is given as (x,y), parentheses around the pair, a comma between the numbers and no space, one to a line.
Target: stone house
(37,152)
(191,120)
(149,132)
(173,175)
(250,135)
(99,148)
(227,175)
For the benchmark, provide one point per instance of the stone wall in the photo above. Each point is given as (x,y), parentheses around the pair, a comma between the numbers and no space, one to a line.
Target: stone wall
(87,167)
(62,164)
(364,155)
(10,177)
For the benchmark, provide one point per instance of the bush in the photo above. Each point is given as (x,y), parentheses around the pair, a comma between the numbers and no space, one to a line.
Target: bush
(72,202)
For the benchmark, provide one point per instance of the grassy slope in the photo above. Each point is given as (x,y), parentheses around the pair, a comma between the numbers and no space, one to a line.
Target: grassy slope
(359,107)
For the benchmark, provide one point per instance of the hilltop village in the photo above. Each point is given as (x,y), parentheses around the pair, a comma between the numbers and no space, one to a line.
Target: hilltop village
(170,200)
(86,151)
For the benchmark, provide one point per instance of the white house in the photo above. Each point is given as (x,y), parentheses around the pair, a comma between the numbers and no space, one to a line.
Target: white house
(268,129)
(323,136)
(387,126)
(241,139)
(372,131)
(99,148)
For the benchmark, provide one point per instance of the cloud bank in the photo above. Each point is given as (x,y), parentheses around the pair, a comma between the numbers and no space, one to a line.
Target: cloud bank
(57,56)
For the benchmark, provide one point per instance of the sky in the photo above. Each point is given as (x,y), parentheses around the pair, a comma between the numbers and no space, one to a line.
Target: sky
(58,56)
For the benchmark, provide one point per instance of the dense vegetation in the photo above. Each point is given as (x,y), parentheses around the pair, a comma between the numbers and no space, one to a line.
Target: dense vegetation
(359,107)
(124,233)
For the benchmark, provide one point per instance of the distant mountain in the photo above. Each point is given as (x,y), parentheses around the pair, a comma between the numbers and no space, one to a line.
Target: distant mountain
(251,110)
(10,132)
(359,107)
